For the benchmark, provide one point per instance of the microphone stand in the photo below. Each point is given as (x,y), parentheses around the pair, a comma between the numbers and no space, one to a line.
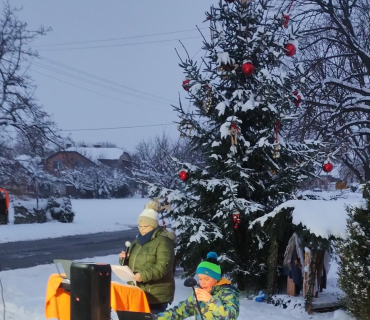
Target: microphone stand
(198,304)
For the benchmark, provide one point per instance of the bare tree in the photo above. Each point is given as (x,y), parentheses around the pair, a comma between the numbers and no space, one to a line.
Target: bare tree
(19,108)
(155,159)
(335,49)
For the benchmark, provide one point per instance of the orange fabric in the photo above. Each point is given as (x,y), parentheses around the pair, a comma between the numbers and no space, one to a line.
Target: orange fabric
(57,302)
(123,297)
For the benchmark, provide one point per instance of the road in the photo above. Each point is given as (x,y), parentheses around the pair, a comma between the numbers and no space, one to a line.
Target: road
(25,254)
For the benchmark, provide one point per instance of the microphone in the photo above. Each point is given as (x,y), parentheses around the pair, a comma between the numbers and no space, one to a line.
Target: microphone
(191,282)
(128,245)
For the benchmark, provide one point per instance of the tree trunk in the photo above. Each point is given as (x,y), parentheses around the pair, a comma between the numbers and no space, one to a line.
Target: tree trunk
(311,282)
(272,269)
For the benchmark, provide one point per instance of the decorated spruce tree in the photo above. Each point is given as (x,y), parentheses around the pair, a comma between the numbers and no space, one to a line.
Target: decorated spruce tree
(354,253)
(243,96)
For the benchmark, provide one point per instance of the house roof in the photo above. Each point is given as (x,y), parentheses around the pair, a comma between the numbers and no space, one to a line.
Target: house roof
(321,217)
(95,154)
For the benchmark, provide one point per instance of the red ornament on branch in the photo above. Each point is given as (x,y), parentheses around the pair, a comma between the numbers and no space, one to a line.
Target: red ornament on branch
(185,84)
(183,175)
(286,20)
(248,68)
(327,167)
(290,49)
(236,219)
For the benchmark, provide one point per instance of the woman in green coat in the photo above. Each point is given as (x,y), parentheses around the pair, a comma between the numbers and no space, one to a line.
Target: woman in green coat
(151,258)
(217,298)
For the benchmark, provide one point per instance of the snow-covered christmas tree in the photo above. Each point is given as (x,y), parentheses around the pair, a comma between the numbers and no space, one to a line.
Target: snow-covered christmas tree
(243,96)
(354,252)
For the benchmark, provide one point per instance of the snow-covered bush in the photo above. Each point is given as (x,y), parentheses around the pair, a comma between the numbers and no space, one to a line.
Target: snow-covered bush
(40,211)
(60,209)
(31,211)
(354,252)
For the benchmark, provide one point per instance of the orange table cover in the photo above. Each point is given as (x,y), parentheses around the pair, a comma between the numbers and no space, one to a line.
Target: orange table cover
(123,297)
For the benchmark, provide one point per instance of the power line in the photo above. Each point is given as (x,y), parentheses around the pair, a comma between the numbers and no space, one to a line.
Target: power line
(94,83)
(109,128)
(114,128)
(122,38)
(122,45)
(139,105)
(100,78)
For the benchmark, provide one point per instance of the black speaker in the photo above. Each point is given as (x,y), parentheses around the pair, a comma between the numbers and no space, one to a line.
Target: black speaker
(90,291)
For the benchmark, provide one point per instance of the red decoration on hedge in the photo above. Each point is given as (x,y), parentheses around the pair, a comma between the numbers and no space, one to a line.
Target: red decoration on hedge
(248,68)
(297,100)
(327,167)
(290,49)
(183,175)
(185,84)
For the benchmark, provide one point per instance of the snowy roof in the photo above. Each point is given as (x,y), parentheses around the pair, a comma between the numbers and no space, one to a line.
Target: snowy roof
(23,157)
(27,161)
(95,154)
(321,217)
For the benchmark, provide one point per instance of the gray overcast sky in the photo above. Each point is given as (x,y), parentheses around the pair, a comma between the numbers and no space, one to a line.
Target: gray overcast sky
(88,80)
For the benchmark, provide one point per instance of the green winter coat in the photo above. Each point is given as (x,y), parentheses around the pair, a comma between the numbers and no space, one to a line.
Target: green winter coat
(154,261)
(224,305)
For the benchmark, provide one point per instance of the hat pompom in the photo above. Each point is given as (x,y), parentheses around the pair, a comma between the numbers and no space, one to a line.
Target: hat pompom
(152,205)
(212,257)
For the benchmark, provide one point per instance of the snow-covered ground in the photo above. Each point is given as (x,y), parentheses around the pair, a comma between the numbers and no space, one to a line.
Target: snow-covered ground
(92,215)
(23,290)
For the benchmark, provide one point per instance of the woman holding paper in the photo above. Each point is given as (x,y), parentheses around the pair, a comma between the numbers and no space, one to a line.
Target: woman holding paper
(151,258)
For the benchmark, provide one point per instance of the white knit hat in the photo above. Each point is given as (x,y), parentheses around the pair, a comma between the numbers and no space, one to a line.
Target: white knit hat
(149,216)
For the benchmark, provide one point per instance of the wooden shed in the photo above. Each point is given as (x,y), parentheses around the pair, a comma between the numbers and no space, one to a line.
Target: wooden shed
(322,221)
(296,262)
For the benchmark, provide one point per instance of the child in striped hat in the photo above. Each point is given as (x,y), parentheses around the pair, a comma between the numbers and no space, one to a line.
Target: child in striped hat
(217,298)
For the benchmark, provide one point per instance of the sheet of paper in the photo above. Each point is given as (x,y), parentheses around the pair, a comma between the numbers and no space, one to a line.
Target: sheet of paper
(123,272)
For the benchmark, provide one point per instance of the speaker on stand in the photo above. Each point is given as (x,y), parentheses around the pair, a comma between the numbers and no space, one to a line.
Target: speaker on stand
(90,291)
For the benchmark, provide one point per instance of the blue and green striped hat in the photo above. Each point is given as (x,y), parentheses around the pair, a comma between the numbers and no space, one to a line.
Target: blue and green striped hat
(209,268)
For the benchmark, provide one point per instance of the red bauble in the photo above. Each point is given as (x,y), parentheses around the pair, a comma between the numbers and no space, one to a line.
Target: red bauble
(185,84)
(327,167)
(290,49)
(183,175)
(248,68)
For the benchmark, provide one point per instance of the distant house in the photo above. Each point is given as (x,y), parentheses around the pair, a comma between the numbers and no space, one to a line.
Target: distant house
(326,181)
(75,157)
(62,160)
